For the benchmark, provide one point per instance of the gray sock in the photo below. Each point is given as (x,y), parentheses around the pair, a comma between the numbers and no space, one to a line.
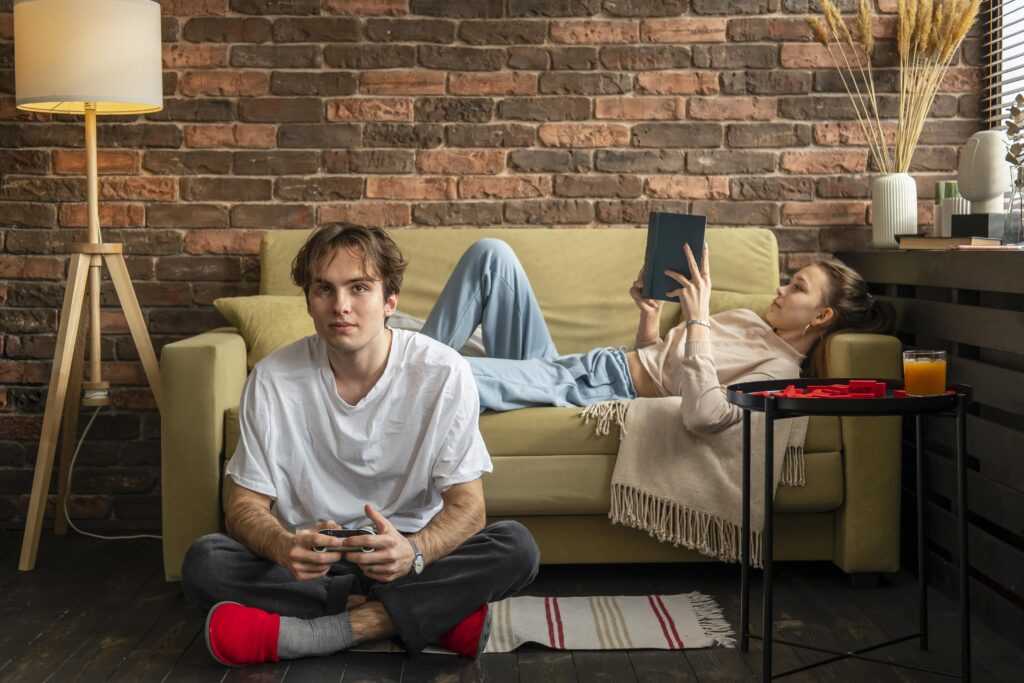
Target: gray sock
(313,637)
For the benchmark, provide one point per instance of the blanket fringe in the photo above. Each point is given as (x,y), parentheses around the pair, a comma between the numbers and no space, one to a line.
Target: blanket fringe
(712,620)
(608,413)
(794,467)
(668,521)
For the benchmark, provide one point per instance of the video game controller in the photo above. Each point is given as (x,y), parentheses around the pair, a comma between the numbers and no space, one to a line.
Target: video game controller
(344,533)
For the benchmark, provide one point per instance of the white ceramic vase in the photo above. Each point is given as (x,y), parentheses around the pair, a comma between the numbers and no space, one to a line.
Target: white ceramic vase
(893,208)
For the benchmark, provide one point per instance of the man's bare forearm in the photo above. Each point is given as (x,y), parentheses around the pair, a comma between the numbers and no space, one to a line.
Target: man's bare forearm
(251,523)
(449,529)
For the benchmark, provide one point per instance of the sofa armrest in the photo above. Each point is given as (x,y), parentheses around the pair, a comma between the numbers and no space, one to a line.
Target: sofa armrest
(202,377)
(867,531)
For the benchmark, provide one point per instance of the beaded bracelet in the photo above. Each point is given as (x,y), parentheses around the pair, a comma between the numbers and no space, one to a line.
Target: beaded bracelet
(705,323)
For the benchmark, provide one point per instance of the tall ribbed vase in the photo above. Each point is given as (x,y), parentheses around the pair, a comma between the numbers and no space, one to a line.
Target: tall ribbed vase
(893,208)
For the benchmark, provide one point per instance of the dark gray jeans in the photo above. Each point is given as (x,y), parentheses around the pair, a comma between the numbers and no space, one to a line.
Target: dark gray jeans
(500,560)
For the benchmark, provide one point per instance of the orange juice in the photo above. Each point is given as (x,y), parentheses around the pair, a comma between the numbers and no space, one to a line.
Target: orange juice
(924,376)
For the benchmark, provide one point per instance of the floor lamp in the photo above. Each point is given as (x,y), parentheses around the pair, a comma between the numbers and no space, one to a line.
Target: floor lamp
(93,58)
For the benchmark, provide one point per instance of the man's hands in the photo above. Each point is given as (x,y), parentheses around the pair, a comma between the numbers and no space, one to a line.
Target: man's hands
(297,555)
(695,293)
(391,558)
(392,554)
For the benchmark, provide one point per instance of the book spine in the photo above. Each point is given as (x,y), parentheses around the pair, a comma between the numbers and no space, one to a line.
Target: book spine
(649,265)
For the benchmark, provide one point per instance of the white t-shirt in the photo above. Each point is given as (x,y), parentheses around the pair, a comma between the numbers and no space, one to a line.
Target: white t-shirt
(413,435)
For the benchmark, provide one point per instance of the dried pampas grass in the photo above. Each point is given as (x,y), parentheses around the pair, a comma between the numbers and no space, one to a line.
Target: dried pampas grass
(929,34)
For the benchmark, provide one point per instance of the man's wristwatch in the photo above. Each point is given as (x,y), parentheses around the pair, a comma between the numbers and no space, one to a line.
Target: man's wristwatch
(417,561)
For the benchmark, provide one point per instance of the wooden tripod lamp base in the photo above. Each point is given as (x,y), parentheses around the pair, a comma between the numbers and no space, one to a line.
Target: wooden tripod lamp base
(64,398)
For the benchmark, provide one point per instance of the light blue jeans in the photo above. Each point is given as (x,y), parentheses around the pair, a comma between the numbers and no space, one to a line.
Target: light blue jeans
(489,288)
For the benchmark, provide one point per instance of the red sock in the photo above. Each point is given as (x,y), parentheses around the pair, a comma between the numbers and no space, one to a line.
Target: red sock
(237,635)
(469,637)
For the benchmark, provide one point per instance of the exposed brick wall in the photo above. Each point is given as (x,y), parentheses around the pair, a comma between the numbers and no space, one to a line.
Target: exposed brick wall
(417,113)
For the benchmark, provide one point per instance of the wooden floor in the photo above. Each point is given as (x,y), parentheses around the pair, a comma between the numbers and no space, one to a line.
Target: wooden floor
(100,610)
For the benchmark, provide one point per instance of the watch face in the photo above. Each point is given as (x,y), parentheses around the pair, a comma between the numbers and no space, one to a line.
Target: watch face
(417,564)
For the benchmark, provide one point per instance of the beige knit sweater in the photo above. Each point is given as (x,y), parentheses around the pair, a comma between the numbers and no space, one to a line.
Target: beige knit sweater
(677,475)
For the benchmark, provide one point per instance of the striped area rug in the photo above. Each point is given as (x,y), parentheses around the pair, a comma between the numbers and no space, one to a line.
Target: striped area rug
(610,622)
(607,622)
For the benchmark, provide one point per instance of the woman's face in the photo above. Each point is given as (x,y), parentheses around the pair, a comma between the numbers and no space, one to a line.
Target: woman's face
(799,302)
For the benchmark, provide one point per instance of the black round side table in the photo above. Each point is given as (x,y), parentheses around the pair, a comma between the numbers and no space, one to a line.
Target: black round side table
(776,407)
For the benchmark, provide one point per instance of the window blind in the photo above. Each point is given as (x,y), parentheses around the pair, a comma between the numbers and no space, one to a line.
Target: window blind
(1003,53)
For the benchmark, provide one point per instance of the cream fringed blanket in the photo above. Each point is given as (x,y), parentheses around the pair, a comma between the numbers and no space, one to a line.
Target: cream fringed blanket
(684,488)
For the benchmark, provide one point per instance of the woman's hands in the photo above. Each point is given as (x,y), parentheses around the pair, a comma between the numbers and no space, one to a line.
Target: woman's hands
(646,306)
(648,331)
(695,293)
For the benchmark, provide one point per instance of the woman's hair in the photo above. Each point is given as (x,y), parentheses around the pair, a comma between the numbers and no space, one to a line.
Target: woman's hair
(855,309)
(375,246)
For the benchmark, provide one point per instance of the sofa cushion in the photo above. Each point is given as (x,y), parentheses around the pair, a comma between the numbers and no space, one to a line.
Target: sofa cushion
(266,323)
(581,276)
(547,461)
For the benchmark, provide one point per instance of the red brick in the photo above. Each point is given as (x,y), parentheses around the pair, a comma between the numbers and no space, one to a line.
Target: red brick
(132,399)
(584,135)
(112,215)
(370,109)
(191,8)
(392,8)
(849,133)
(3,400)
(186,55)
(808,56)
(159,293)
(733,108)
(822,162)
(24,372)
(640,108)
(594,31)
(112,321)
(678,83)
(460,162)
(683,30)
(962,80)
(402,82)
(143,187)
(381,214)
(760,29)
(824,213)
(505,187)
(423,187)
(223,241)
(276,215)
(688,187)
(224,83)
(108,161)
(21,428)
(242,135)
(500,83)
(124,372)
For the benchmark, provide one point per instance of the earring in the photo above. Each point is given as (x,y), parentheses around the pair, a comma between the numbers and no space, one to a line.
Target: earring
(807,328)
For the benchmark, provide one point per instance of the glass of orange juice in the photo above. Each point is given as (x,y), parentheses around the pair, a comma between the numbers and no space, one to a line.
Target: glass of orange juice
(924,372)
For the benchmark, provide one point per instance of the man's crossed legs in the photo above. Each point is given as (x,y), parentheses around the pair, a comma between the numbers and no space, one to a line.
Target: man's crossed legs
(279,616)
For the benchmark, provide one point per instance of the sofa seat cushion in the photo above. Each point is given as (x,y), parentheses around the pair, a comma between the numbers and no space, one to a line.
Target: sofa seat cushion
(548,461)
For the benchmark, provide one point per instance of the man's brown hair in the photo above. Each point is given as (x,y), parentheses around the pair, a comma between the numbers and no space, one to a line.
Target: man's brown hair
(376,247)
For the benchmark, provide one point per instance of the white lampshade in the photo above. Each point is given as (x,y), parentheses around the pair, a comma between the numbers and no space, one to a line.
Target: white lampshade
(106,53)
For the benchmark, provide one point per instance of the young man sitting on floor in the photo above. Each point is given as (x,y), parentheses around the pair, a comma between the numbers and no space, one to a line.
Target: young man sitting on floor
(365,425)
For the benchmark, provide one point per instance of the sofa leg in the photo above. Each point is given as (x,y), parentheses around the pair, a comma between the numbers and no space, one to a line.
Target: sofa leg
(866,580)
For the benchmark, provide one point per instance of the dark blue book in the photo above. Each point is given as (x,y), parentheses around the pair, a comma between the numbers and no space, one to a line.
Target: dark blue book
(666,235)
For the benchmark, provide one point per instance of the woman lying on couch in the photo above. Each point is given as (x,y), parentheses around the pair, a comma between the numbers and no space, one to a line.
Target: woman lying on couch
(489,288)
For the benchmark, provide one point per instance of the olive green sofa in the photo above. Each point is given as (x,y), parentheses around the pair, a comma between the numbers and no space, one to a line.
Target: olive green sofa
(550,471)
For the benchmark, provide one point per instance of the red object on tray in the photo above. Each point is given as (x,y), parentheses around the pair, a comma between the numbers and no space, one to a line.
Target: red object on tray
(855,388)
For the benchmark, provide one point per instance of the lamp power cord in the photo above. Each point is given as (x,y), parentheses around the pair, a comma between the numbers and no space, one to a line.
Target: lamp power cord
(67,496)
